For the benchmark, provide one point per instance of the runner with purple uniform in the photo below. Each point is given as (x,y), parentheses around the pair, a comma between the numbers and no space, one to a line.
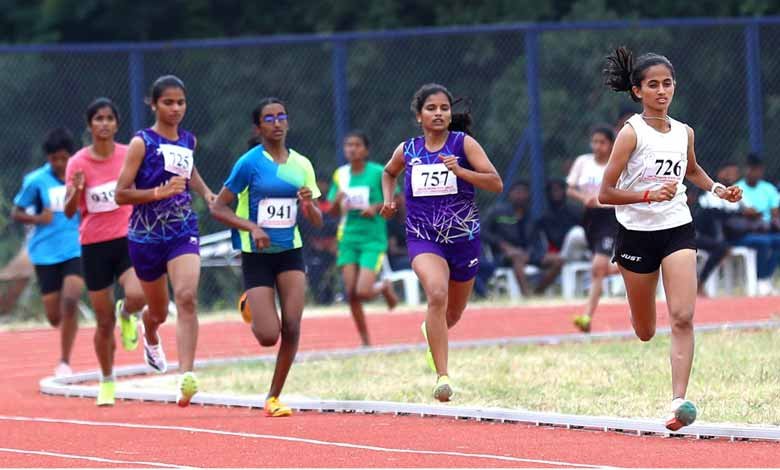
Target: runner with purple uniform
(442,221)
(163,234)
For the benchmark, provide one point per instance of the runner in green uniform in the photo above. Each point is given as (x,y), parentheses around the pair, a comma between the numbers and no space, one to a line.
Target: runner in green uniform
(357,195)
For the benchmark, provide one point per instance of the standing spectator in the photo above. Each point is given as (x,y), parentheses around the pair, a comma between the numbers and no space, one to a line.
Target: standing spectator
(762,217)
(511,235)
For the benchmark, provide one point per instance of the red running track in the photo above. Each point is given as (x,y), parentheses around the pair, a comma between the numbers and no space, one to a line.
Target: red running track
(157,435)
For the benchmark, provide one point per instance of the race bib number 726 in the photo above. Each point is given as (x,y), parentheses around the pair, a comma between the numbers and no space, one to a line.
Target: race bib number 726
(665,167)
(433,180)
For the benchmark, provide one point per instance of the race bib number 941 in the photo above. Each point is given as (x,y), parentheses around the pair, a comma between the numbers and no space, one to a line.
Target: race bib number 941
(277,212)
(433,180)
(178,160)
(100,198)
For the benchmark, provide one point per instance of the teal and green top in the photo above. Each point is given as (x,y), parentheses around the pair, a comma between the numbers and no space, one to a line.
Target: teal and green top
(362,190)
(268,195)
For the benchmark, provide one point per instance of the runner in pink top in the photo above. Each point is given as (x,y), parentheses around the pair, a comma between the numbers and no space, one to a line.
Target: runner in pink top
(101,218)
(91,182)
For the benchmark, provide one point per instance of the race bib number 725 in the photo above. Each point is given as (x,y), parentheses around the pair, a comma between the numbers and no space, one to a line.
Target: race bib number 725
(178,160)
(433,180)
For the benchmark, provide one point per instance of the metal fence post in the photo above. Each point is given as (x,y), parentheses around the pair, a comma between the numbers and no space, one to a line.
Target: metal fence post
(340,95)
(535,123)
(136,75)
(754,100)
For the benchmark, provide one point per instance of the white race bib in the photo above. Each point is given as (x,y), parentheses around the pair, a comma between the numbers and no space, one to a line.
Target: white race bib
(665,167)
(280,212)
(100,198)
(57,199)
(178,160)
(433,180)
(357,197)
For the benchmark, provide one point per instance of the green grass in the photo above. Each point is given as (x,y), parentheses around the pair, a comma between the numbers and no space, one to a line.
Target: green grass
(736,378)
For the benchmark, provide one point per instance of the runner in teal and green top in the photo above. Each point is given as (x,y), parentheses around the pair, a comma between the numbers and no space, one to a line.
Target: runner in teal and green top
(357,195)
(273,184)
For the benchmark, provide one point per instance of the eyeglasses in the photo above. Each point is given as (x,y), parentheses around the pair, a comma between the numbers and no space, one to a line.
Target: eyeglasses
(270,119)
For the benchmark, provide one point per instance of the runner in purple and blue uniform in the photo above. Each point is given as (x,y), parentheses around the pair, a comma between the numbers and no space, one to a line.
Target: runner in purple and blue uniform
(442,221)
(163,234)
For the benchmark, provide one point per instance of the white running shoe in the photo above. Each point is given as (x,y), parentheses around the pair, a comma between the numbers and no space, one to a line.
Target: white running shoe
(154,356)
(63,370)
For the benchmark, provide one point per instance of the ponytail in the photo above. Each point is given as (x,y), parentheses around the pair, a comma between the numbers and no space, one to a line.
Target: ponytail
(622,72)
(461,122)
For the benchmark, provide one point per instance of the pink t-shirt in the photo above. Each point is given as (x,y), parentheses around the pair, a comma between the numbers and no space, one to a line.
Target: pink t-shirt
(101,218)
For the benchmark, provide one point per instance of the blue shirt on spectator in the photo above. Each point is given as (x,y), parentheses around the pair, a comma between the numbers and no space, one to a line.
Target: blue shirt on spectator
(57,241)
(763,197)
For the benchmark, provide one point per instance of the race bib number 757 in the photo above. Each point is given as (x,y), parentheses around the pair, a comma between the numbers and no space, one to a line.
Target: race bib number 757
(433,180)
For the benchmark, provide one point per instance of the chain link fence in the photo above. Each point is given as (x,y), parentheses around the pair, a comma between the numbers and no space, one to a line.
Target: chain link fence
(535,91)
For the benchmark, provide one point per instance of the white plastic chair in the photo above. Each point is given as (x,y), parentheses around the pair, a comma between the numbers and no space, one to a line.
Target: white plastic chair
(407,277)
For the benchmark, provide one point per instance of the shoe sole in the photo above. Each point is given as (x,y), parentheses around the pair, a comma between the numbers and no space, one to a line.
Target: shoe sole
(443,393)
(684,416)
(283,414)
(105,403)
(188,390)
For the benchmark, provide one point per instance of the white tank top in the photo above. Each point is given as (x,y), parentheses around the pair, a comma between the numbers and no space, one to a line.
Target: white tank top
(657,159)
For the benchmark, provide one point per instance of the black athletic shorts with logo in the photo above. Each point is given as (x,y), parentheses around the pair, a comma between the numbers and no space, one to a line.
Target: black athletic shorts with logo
(601,228)
(261,269)
(642,251)
(51,276)
(105,262)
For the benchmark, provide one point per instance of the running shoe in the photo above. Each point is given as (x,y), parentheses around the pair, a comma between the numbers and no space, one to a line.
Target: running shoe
(188,387)
(443,390)
(583,323)
(428,353)
(63,370)
(683,414)
(154,356)
(106,394)
(276,409)
(128,326)
(243,307)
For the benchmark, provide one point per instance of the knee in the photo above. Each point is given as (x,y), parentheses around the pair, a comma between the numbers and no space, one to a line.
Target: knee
(70,306)
(134,300)
(453,316)
(54,319)
(291,332)
(437,297)
(105,325)
(599,271)
(363,294)
(645,335)
(681,319)
(186,299)
(266,338)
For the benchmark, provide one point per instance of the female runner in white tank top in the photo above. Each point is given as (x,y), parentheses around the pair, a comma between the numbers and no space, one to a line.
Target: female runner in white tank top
(651,157)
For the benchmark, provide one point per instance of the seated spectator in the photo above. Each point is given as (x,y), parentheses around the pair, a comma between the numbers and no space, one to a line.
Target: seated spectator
(759,222)
(558,221)
(511,235)
(710,235)
(319,250)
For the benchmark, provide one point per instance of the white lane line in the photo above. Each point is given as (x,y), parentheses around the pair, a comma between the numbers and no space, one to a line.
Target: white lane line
(298,440)
(91,459)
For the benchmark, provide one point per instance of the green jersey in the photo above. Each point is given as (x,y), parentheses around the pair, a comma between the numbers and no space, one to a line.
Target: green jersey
(361,190)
